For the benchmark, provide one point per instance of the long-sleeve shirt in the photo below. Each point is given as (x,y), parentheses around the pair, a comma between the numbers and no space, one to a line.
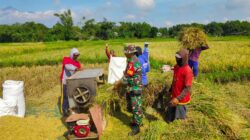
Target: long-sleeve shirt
(69,70)
(145,65)
(133,81)
(195,54)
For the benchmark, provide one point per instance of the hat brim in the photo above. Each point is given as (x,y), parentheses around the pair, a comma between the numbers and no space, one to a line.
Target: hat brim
(129,52)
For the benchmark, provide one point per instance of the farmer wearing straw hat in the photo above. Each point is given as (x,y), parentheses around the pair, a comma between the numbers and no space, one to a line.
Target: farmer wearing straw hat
(181,87)
(132,77)
(69,66)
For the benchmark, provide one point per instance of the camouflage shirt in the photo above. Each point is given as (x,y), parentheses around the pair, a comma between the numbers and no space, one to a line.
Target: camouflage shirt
(132,76)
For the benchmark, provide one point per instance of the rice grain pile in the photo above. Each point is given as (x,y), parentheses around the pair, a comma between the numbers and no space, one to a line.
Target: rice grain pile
(192,37)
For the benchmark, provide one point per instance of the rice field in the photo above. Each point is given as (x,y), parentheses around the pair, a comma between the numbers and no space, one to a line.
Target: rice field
(219,109)
(222,55)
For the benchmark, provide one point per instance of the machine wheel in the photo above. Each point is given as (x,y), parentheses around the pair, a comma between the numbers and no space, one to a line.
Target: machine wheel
(81,131)
(82,95)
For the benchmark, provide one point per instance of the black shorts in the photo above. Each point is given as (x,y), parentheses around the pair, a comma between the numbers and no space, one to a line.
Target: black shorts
(176,112)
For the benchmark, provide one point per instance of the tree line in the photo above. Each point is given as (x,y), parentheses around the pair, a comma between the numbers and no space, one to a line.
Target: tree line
(90,29)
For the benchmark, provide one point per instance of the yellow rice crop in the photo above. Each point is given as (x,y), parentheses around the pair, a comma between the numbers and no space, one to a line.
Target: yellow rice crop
(31,128)
(191,38)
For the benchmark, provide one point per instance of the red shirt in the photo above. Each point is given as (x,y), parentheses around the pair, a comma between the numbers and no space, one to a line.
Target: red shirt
(68,60)
(183,77)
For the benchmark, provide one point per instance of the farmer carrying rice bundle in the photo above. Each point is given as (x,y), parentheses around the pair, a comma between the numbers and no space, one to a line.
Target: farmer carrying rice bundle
(193,39)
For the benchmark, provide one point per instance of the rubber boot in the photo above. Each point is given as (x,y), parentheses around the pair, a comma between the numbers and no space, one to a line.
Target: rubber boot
(135,130)
(132,124)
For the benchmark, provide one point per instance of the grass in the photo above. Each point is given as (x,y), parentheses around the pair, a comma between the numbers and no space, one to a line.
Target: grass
(219,108)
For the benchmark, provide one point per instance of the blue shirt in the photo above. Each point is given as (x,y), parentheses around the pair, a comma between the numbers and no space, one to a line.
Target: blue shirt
(145,65)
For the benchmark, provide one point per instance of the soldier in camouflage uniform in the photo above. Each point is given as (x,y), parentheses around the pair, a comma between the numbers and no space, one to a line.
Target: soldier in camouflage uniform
(132,77)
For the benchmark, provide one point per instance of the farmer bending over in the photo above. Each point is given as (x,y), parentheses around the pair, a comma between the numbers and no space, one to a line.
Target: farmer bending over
(69,66)
(181,87)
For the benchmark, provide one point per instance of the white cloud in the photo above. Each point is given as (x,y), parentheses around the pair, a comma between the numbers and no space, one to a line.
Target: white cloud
(130,17)
(168,23)
(140,4)
(11,15)
(14,13)
(144,4)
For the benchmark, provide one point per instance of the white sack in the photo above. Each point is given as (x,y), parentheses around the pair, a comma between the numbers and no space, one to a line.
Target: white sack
(117,66)
(8,107)
(13,90)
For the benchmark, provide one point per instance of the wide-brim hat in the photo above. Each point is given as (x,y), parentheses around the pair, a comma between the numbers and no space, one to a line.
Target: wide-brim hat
(129,49)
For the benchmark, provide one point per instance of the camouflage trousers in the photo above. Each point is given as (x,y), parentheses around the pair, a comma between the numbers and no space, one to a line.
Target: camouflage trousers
(136,102)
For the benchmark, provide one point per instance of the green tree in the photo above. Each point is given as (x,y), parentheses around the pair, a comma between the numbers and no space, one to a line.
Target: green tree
(67,22)
(105,29)
(214,29)
(89,29)
(164,32)
(153,32)
(57,32)
(142,29)
(126,30)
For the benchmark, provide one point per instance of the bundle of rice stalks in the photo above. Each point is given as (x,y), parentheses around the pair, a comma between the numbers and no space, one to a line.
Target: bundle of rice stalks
(191,38)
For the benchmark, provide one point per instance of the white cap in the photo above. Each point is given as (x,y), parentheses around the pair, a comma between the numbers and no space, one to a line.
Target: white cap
(146,43)
(73,52)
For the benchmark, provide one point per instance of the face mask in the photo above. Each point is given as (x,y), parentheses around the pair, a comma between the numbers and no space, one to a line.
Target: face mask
(75,57)
(179,61)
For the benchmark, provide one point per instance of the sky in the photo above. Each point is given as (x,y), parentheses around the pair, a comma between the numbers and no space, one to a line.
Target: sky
(159,13)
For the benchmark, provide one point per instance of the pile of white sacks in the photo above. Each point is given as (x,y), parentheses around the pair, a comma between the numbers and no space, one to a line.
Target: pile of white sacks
(13,102)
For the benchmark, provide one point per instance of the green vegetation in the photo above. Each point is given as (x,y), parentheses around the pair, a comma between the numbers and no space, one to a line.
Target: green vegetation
(89,29)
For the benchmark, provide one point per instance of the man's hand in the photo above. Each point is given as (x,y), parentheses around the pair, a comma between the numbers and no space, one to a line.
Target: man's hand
(174,102)
(107,45)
